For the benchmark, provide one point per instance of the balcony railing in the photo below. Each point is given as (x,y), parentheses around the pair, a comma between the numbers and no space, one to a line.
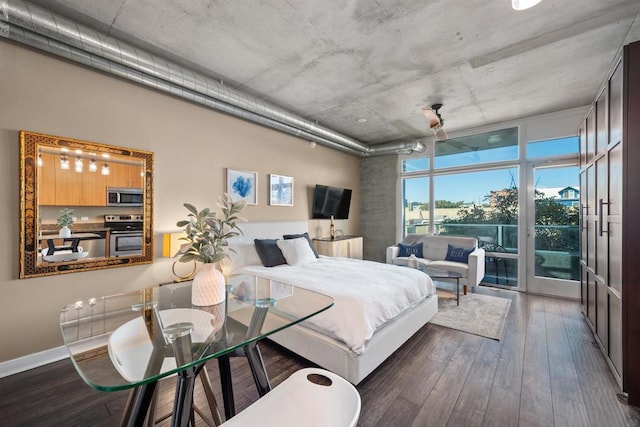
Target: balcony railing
(556,249)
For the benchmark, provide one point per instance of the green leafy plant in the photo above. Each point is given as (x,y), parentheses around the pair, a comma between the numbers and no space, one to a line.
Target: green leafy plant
(65,218)
(208,234)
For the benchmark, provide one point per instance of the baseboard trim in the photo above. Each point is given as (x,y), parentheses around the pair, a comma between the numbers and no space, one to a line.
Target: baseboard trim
(30,361)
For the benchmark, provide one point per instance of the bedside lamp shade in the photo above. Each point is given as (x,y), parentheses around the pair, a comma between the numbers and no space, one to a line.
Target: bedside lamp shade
(171,244)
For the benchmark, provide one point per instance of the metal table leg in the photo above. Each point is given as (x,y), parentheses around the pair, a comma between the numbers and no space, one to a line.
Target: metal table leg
(137,407)
(258,370)
(224,366)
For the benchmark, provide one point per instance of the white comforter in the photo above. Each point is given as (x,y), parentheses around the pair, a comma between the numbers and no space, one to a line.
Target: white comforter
(367,294)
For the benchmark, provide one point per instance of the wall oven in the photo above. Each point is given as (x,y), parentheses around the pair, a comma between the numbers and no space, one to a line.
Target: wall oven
(125,196)
(126,236)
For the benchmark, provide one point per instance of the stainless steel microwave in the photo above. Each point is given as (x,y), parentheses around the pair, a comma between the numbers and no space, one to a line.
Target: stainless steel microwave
(125,196)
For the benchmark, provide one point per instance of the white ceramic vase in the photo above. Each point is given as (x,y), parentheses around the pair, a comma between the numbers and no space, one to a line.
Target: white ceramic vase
(65,232)
(208,286)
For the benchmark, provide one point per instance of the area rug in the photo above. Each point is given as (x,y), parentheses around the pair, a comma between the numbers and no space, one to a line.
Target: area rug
(477,314)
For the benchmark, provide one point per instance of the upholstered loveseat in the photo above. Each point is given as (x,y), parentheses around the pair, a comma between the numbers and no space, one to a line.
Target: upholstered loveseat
(442,252)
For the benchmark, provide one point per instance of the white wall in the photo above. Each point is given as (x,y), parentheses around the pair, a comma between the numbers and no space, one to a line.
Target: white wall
(192,147)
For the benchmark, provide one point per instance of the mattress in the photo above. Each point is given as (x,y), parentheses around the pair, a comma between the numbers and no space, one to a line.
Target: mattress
(367,294)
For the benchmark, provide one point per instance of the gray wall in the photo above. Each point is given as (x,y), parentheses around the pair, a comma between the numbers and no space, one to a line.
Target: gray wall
(378,213)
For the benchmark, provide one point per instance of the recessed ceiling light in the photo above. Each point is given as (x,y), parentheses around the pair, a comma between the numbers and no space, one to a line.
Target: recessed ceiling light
(361,120)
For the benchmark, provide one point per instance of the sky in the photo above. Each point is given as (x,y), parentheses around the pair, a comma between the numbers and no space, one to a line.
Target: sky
(474,186)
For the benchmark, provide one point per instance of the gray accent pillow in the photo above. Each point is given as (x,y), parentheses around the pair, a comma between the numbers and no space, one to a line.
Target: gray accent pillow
(269,252)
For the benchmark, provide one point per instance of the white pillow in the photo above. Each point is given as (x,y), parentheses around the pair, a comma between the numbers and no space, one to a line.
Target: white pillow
(297,251)
(245,254)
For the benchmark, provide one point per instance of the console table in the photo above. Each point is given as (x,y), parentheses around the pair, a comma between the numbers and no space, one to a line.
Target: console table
(346,246)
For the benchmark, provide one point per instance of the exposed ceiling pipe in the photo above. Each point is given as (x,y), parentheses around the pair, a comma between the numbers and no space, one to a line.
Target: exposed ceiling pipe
(397,148)
(39,28)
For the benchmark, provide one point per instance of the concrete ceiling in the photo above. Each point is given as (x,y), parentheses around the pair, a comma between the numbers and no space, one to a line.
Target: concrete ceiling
(338,61)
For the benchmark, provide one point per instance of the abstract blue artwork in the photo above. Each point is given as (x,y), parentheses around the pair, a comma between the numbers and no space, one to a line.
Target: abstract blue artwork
(241,185)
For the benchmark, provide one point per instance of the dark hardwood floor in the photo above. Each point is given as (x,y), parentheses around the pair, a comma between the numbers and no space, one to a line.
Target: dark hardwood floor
(546,371)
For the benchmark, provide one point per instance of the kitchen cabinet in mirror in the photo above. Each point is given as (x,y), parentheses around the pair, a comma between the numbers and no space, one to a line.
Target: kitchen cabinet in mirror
(106,192)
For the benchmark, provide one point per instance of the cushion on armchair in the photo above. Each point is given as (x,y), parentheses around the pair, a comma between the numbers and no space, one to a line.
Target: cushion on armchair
(406,250)
(458,254)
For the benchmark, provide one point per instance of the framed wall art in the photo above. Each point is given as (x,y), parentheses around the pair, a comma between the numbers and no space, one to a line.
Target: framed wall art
(242,185)
(280,190)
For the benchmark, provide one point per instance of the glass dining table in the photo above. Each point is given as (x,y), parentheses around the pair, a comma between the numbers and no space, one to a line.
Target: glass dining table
(132,340)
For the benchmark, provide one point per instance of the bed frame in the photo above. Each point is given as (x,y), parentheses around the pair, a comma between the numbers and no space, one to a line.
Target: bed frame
(327,352)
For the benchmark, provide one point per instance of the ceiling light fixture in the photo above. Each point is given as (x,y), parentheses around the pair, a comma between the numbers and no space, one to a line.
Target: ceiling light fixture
(93,166)
(524,4)
(64,162)
(105,169)
(78,165)
(40,162)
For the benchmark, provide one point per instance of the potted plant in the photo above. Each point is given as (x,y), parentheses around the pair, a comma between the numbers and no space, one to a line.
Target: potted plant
(64,220)
(207,242)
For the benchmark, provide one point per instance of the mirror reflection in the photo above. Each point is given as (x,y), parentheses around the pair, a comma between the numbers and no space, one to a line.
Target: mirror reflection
(85,205)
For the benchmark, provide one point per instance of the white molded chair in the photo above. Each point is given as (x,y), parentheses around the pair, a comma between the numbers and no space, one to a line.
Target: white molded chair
(309,397)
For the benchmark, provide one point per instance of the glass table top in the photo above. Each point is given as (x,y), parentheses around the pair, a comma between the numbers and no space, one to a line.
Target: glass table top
(439,273)
(126,340)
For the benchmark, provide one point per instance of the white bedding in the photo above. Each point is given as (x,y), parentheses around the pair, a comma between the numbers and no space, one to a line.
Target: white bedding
(367,294)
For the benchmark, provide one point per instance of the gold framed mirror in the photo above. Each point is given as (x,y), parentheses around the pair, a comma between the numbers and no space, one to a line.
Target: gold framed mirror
(83,205)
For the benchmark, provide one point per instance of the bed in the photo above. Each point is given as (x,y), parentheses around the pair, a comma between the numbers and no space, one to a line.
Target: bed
(377,322)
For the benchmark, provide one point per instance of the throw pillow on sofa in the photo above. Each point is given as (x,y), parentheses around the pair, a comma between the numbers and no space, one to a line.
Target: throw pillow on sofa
(458,254)
(408,250)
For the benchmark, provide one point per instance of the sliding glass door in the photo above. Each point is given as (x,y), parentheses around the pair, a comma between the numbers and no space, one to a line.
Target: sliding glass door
(554,237)
(483,204)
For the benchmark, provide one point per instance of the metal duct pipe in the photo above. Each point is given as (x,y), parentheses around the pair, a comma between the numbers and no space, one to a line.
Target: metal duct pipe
(63,37)
(40,42)
(397,148)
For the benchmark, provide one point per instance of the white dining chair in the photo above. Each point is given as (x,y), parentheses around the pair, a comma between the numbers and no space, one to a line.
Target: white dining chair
(310,397)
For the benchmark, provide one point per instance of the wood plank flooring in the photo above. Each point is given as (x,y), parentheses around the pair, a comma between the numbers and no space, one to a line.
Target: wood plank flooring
(546,371)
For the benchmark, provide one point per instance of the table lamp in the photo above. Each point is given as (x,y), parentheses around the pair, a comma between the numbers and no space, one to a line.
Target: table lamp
(173,247)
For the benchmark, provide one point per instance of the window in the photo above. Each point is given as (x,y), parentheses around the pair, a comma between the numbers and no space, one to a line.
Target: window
(415,193)
(485,147)
(552,147)
(415,165)
(482,204)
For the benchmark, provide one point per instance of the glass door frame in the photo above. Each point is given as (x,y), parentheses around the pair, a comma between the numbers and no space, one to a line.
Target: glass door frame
(538,284)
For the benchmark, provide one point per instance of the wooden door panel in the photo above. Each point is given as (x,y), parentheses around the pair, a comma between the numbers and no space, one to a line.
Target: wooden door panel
(591,135)
(591,299)
(614,171)
(583,288)
(615,106)
(615,332)
(590,211)
(601,200)
(68,185)
(614,275)
(602,327)
(601,122)
(94,189)
(583,144)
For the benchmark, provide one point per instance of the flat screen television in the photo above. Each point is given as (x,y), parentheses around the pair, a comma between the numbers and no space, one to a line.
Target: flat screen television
(328,201)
